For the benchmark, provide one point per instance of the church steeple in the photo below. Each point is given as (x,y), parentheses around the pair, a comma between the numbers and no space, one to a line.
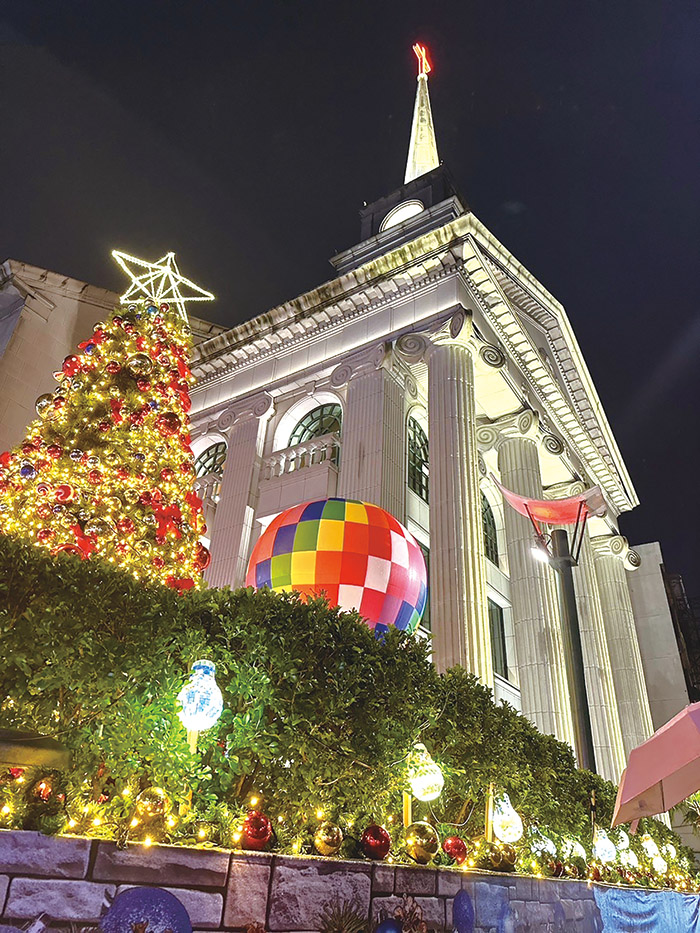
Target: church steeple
(422,151)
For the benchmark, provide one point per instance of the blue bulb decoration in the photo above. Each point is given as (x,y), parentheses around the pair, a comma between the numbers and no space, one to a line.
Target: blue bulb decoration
(151,909)
(200,698)
(389,926)
(463,913)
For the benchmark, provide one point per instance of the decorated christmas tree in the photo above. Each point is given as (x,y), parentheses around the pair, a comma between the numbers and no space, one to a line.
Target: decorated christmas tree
(107,469)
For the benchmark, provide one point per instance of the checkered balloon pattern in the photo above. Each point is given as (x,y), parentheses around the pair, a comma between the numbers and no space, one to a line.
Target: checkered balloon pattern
(354,553)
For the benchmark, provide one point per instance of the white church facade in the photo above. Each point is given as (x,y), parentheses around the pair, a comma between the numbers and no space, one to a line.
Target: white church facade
(432,361)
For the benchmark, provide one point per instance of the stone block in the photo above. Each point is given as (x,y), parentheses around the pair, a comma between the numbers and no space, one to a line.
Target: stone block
(204,907)
(162,865)
(415,881)
(4,885)
(82,901)
(523,888)
(490,903)
(382,879)
(302,888)
(448,882)
(28,853)
(247,891)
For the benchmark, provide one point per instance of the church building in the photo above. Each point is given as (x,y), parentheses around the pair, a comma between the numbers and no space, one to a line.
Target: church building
(432,363)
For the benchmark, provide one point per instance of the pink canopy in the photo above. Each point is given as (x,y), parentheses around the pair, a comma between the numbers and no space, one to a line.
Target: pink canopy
(663,770)
(556,511)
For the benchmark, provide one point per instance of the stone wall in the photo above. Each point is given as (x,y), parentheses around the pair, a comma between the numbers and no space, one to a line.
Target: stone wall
(71,880)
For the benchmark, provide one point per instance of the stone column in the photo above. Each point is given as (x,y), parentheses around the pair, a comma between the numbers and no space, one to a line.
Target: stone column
(458,608)
(244,426)
(372,464)
(544,689)
(612,556)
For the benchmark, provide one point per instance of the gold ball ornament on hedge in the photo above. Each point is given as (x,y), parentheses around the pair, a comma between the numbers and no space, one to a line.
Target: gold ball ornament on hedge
(151,803)
(422,842)
(328,838)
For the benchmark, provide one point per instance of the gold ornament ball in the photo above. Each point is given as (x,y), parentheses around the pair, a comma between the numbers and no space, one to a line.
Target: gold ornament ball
(151,803)
(44,403)
(422,842)
(140,364)
(328,838)
(99,527)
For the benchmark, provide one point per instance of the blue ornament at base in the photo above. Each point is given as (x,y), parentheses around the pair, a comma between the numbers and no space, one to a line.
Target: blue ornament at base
(463,913)
(389,926)
(151,910)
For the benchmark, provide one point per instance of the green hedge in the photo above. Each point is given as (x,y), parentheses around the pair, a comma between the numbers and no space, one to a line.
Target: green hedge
(319,714)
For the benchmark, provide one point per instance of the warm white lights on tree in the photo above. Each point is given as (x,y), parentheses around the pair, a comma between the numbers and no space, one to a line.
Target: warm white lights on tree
(507,825)
(603,847)
(424,775)
(201,700)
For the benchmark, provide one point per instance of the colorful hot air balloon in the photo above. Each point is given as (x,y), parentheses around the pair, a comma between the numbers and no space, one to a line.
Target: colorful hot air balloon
(356,554)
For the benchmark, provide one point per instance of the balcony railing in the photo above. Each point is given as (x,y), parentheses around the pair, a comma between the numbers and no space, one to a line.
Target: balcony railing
(208,488)
(317,450)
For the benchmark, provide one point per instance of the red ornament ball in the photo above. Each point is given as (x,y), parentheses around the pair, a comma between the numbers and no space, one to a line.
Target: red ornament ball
(54,451)
(158,562)
(456,848)
(126,526)
(71,365)
(167,474)
(59,401)
(44,535)
(64,493)
(94,477)
(256,831)
(168,423)
(375,842)
(143,385)
(113,367)
(104,426)
(164,307)
(202,558)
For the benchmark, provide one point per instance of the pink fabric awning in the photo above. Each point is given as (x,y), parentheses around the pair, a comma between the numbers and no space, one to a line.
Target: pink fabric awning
(557,511)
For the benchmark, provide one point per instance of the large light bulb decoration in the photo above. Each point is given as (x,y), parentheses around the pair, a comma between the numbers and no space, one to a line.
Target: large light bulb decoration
(623,840)
(650,847)
(542,844)
(507,825)
(659,865)
(628,859)
(603,847)
(572,848)
(201,701)
(424,775)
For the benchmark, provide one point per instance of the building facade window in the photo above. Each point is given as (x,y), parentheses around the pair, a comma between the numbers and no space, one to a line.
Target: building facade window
(418,463)
(497,627)
(425,621)
(326,419)
(488,524)
(211,460)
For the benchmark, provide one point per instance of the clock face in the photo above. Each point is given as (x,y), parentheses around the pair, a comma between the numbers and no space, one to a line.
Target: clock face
(401,213)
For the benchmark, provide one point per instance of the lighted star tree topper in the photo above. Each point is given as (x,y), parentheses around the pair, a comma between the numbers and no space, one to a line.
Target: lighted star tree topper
(159,281)
(107,468)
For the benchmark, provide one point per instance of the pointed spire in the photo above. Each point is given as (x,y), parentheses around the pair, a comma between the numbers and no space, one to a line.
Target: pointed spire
(422,151)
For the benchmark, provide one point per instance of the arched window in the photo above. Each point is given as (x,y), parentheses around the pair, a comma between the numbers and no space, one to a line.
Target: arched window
(418,463)
(326,419)
(488,523)
(211,460)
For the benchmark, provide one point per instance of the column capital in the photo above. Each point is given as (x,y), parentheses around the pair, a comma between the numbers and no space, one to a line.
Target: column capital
(357,364)
(453,327)
(564,490)
(522,424)
(616,546)
(253,406)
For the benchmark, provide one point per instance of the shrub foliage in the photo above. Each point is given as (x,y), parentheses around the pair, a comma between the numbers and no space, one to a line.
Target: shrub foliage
(319,714)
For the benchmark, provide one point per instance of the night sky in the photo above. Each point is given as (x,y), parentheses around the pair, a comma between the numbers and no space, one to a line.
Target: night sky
(245,136)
